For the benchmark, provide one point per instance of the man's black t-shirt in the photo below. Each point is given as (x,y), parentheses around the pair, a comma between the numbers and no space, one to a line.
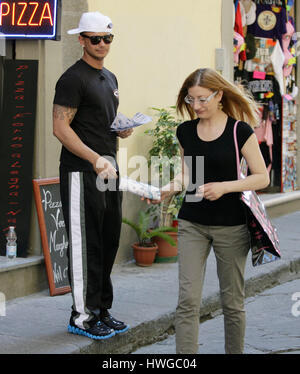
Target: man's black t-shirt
(94,93)
(219,165)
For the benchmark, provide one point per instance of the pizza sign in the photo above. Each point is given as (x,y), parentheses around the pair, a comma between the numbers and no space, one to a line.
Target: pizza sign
(28,19)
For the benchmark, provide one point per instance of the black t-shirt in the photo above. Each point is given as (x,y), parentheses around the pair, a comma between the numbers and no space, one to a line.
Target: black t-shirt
(219,165)
(94,92)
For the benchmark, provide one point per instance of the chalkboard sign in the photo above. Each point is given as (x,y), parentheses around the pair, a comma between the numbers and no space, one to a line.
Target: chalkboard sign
(53,233)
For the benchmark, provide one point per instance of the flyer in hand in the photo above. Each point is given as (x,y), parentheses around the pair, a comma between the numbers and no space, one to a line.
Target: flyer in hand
(122,123)
(139,188)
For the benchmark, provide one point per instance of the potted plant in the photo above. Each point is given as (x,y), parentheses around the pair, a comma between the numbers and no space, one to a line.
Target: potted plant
(165,155)
(145,249)
(164,158)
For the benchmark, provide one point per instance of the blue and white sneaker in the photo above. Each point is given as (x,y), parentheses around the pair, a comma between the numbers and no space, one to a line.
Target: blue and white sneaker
(118,326)
(98,332)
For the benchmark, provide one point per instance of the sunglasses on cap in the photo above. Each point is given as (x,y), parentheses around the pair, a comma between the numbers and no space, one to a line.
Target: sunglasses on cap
(96,39)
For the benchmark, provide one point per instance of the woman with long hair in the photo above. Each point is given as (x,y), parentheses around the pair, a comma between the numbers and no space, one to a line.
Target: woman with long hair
(212,214)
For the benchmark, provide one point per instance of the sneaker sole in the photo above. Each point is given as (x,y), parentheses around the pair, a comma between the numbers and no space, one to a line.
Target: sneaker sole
(124,330)
(78,331)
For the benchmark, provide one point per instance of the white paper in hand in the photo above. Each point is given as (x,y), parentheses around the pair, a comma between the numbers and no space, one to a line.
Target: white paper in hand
(139,188)
(122,123)
(140,119)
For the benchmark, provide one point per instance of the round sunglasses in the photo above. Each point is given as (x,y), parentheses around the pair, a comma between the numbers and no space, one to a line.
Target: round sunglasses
(96,39)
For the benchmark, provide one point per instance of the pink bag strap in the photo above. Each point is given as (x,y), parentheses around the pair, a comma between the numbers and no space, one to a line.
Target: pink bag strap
(238,166)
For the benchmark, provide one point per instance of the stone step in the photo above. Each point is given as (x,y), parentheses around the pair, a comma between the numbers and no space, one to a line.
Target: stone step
(22,276)
(280,204)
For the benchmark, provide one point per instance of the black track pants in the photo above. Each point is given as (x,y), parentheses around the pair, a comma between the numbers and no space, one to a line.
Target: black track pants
(93,222)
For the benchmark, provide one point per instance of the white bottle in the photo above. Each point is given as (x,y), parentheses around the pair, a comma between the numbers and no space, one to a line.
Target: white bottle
(11,245)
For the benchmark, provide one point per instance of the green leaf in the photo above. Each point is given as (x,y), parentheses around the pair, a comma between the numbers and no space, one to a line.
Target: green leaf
(135,227)
(143,222)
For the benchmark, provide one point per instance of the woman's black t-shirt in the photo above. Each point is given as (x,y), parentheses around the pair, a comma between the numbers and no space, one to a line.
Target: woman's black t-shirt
(217,164)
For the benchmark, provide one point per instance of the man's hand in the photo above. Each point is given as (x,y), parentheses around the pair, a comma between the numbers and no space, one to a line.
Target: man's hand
(105,169)
(125,134)
(163,196)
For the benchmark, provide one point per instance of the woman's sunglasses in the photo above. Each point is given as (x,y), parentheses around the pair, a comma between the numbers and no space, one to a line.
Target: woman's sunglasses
(97,38)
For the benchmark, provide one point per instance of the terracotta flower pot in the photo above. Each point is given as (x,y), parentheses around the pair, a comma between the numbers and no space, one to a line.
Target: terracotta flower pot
(144,256)
(166,252)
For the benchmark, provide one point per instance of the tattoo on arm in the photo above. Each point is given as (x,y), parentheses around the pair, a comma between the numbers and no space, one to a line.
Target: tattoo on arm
(64,113)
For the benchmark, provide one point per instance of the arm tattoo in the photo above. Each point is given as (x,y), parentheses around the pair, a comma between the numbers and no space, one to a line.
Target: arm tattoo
(64,113)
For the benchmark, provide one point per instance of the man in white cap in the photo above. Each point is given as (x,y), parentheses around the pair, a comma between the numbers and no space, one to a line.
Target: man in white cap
(85,105)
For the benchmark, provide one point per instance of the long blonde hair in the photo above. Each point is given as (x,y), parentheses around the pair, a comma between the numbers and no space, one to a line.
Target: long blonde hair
(236,101)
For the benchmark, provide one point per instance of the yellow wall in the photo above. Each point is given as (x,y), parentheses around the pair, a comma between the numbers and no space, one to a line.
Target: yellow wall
(157,44)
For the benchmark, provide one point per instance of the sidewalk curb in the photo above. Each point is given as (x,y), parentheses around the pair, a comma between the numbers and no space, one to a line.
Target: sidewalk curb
(158,329)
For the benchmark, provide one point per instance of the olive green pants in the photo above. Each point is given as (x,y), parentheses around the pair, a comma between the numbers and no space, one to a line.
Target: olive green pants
(231,246)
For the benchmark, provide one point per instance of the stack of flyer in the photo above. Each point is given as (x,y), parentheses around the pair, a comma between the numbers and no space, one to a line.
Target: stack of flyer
(122,123)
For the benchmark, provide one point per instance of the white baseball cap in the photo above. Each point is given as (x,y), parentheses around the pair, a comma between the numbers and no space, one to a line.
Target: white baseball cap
(93,22)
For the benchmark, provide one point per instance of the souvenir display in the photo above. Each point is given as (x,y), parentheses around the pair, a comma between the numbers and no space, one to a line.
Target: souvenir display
(289,145)
(265,64)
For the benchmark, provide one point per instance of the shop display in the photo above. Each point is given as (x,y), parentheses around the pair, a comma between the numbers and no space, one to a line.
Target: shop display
(265,64)
(289,146)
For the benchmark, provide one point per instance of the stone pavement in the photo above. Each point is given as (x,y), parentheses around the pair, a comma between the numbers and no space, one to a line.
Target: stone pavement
(146,299)
(273,326)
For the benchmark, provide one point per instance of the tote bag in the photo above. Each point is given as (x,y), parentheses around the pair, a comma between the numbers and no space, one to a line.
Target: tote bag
(263,235)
